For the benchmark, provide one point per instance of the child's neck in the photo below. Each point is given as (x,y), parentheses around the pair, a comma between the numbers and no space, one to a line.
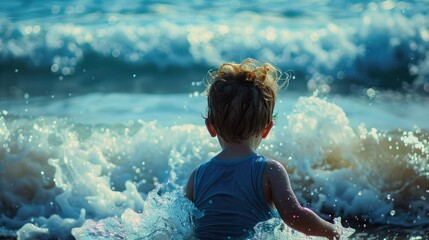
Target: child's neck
(232,151)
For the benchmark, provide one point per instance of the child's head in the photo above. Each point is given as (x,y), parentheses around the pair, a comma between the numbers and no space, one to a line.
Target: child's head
(241,99)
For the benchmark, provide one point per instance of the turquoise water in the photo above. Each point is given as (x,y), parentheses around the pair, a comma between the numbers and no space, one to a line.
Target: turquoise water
(101,104)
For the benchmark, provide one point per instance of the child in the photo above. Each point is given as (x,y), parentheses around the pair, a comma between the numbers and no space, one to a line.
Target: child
(238,188)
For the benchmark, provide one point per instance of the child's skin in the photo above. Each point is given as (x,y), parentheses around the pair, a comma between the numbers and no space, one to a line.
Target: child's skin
(275,186)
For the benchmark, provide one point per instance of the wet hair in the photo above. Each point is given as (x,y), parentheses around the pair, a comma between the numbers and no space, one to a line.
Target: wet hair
(241,99)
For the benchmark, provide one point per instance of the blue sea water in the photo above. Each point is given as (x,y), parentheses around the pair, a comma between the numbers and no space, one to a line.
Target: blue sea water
(101,105)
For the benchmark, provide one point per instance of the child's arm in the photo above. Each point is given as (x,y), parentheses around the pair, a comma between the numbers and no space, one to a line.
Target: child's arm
(189,192)
(293,214)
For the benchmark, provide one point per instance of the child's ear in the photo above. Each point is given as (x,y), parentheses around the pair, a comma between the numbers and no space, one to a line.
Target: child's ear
(211,128)
(267,129)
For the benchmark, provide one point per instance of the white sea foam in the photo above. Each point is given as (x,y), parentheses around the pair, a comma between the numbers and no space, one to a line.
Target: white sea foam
(59,172)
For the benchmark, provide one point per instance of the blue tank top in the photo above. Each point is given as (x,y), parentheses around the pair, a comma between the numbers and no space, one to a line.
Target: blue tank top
(229,193)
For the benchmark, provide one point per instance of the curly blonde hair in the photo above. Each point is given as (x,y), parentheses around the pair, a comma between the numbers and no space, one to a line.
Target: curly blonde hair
(241,98)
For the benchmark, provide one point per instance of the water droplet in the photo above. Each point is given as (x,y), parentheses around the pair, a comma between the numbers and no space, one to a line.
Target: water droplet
(55,67)
(112,19)
(55,9)
(370,93)
(116,53)
(392,213)
(36,29)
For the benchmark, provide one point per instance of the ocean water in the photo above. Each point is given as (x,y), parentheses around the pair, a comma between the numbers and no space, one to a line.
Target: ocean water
(101,110)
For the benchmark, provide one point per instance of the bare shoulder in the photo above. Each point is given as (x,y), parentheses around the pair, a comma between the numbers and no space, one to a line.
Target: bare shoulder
(275,169)
(274,178)
(278,180)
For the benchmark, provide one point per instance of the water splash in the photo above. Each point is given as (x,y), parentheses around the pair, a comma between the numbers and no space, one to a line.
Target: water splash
(165,216)
(275,229)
